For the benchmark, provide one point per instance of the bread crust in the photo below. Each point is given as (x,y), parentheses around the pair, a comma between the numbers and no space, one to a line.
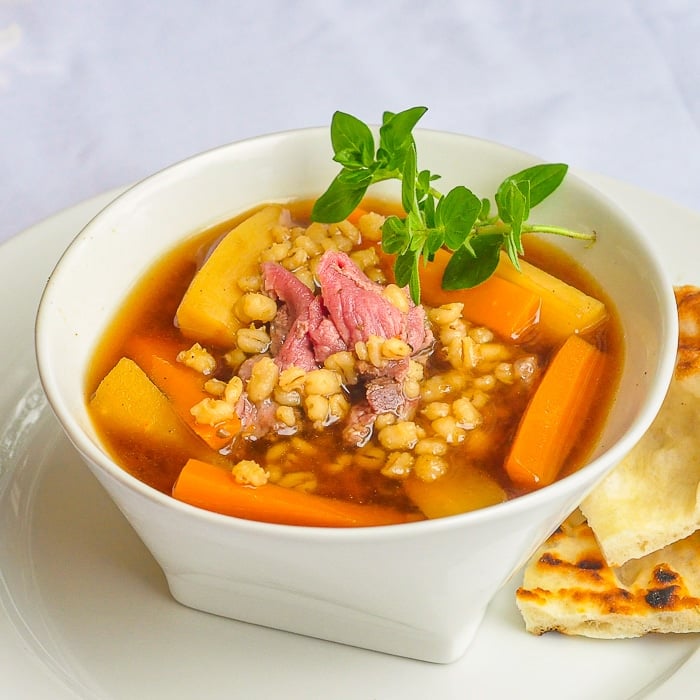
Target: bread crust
(569,588)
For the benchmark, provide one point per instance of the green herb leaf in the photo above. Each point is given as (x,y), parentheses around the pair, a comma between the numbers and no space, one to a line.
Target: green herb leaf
(396,130)
(467,268)
(427,207)
(433,242)
(457,212)
(395,237)
(485,209)
(512,200)
(417,230)
(403,268)
(353,143)
(459,221)
(409,195)
(423,184)
(543,179)
(340,199)
(513,204)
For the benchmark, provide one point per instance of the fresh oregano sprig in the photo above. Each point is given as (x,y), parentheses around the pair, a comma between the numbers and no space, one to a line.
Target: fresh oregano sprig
(458,221)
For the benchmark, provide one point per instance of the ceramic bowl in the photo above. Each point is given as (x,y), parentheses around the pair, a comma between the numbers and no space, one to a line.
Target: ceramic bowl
(417,590)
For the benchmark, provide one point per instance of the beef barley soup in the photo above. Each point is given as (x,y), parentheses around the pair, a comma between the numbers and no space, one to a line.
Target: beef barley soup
(269,368)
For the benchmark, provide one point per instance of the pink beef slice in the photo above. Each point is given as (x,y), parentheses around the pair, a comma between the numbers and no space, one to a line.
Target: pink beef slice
(292,345)
(385,395)
(287,287)
(358,310)
(279,328)
(323,333)
(256,419)
(359,424)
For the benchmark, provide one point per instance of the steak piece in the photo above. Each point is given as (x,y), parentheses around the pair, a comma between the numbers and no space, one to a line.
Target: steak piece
(349,309)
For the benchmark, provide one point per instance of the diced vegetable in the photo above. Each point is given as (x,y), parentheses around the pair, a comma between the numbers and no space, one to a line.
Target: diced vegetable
(462,489)
(213,488)
(555,414)
(565,309)
(206,311)
(508,309)
(182,385)
(128,404)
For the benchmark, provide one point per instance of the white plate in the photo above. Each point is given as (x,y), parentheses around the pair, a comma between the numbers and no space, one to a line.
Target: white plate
(85,611)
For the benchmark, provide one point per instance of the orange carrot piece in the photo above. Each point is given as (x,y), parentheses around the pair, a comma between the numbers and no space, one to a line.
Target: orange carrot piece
(503,306)
(356,215)
(555,414)
(506,308)
(183,386)
(213,488)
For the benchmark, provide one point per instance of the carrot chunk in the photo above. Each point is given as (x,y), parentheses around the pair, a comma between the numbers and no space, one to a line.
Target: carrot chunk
(555,414)
(356,214)
(505,307)
(215,489)
(183,386)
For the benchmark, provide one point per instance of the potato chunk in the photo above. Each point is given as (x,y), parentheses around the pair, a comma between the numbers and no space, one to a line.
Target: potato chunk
(206,312)
(565,309)
(128,404)
(463,488)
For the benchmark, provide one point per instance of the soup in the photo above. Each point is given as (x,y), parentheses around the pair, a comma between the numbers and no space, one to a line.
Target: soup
(295,371)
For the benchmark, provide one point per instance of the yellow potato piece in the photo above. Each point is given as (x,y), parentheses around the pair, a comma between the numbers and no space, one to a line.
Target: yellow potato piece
(565,310)
(127,404)
(206,311)
(462,489)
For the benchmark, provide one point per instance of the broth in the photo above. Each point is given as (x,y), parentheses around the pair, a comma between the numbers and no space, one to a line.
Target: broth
(316,458)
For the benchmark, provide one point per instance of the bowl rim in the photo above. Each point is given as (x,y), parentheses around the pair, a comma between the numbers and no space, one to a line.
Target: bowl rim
(613,454)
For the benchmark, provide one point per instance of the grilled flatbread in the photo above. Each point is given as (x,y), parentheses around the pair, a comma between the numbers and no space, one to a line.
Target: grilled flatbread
(568,587)
(633,566)
(652,498)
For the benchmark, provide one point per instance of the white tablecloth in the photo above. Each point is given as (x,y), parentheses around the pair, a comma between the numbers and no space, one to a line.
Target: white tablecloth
(98,94)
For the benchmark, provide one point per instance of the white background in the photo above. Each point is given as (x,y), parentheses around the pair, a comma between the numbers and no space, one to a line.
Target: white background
(95,95)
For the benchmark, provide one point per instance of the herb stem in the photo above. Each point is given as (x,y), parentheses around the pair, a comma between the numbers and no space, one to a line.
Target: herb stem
(500,227)
(559,231)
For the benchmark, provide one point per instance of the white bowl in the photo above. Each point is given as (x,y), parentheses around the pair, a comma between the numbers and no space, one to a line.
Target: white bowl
(420,589)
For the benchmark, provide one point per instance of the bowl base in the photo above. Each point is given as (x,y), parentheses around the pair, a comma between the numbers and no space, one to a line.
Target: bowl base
(296,612)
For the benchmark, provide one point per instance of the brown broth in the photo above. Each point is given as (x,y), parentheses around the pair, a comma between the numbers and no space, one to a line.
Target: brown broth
(151,308)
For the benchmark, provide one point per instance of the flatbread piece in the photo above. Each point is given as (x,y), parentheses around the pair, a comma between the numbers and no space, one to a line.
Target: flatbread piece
(652,498)
(633,566)
(568,587)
